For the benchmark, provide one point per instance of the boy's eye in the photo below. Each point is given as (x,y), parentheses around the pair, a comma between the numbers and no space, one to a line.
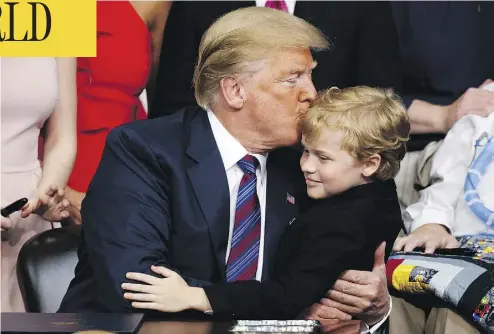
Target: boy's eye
(324,158)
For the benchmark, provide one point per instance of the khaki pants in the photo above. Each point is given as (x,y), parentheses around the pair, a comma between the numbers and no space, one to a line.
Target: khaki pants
(409,319)
(414,170)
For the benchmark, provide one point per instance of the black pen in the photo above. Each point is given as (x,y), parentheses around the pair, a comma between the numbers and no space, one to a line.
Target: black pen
(13,207)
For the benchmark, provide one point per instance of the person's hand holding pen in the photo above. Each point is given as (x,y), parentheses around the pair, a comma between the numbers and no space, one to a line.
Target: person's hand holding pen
(50,204)
(8,210)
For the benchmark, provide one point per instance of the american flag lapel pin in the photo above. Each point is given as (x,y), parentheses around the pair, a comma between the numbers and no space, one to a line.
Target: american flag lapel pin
(290,198)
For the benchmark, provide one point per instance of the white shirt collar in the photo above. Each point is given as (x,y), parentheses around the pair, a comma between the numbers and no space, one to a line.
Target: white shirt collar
(231,150)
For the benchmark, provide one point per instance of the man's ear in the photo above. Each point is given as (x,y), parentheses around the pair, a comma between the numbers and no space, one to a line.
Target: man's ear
(371,165)
(233,92)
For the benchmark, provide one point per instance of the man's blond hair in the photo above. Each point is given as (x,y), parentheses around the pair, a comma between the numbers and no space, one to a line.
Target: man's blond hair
(373,121)
(239,38)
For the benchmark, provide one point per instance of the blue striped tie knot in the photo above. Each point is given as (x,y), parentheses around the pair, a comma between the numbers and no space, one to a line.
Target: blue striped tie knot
(248,164)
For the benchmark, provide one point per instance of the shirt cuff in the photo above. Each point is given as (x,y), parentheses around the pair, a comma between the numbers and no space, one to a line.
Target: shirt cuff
(433,216)
(366,329)
(413,219)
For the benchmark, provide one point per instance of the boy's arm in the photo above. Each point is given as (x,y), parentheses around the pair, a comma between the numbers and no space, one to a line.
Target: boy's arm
(325,253)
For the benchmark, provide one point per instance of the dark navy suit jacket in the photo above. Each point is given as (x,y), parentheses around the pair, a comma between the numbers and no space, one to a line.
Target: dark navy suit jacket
(446,47)
(160,197)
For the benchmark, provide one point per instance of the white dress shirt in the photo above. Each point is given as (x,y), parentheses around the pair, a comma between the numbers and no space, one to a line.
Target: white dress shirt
(231,152)
(290,4)
(443,201)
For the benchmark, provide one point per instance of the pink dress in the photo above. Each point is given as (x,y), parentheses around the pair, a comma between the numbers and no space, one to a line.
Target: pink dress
(29,93)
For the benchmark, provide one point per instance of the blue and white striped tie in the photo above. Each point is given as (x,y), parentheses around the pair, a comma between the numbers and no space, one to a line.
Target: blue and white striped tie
(475,173)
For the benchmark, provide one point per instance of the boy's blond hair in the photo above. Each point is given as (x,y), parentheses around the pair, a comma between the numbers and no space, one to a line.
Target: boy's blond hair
(373,121)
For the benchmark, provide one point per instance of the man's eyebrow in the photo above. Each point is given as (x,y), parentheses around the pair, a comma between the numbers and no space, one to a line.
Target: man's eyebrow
(303,70)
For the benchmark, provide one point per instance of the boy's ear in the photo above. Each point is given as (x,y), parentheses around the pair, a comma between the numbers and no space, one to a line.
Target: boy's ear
(371,165)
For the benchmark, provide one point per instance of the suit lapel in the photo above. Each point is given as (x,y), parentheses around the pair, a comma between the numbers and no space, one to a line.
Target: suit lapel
(207,176)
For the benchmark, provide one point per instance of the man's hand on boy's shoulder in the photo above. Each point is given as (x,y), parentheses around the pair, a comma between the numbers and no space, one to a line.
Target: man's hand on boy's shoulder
(362,294)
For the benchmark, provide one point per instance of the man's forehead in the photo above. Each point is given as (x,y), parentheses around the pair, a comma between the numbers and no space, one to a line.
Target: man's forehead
(295,58)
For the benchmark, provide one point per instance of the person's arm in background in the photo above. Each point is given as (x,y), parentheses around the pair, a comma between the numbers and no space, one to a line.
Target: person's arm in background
(431,114)
(177,61)
(431,220)
(59,145)
(427,112)
(379,61)
(127,223)
(160,11)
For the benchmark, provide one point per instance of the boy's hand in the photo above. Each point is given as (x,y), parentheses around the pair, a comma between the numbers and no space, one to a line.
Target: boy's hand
(168,294)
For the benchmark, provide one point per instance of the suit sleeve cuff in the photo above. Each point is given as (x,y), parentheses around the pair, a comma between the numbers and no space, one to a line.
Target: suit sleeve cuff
(372,329)
(219,300)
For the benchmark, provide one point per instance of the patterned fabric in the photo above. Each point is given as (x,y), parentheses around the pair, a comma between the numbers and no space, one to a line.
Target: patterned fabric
(465,283)
(277,4)
(243,258)
(475,173)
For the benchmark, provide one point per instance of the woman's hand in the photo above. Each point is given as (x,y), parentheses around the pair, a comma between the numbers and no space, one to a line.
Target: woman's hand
(75,198)
(168,294)
(6,223)
(49,204)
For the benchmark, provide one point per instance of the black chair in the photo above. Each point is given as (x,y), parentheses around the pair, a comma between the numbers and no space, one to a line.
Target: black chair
(46,266)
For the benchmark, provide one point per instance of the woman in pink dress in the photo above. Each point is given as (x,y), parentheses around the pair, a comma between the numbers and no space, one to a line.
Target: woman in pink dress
(35,93)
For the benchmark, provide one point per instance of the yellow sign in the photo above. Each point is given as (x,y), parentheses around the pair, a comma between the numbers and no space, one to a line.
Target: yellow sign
(48,28)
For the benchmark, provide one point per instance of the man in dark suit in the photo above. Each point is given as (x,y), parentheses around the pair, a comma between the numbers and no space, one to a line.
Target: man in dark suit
(170,191)
(447,50)
(364,45)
